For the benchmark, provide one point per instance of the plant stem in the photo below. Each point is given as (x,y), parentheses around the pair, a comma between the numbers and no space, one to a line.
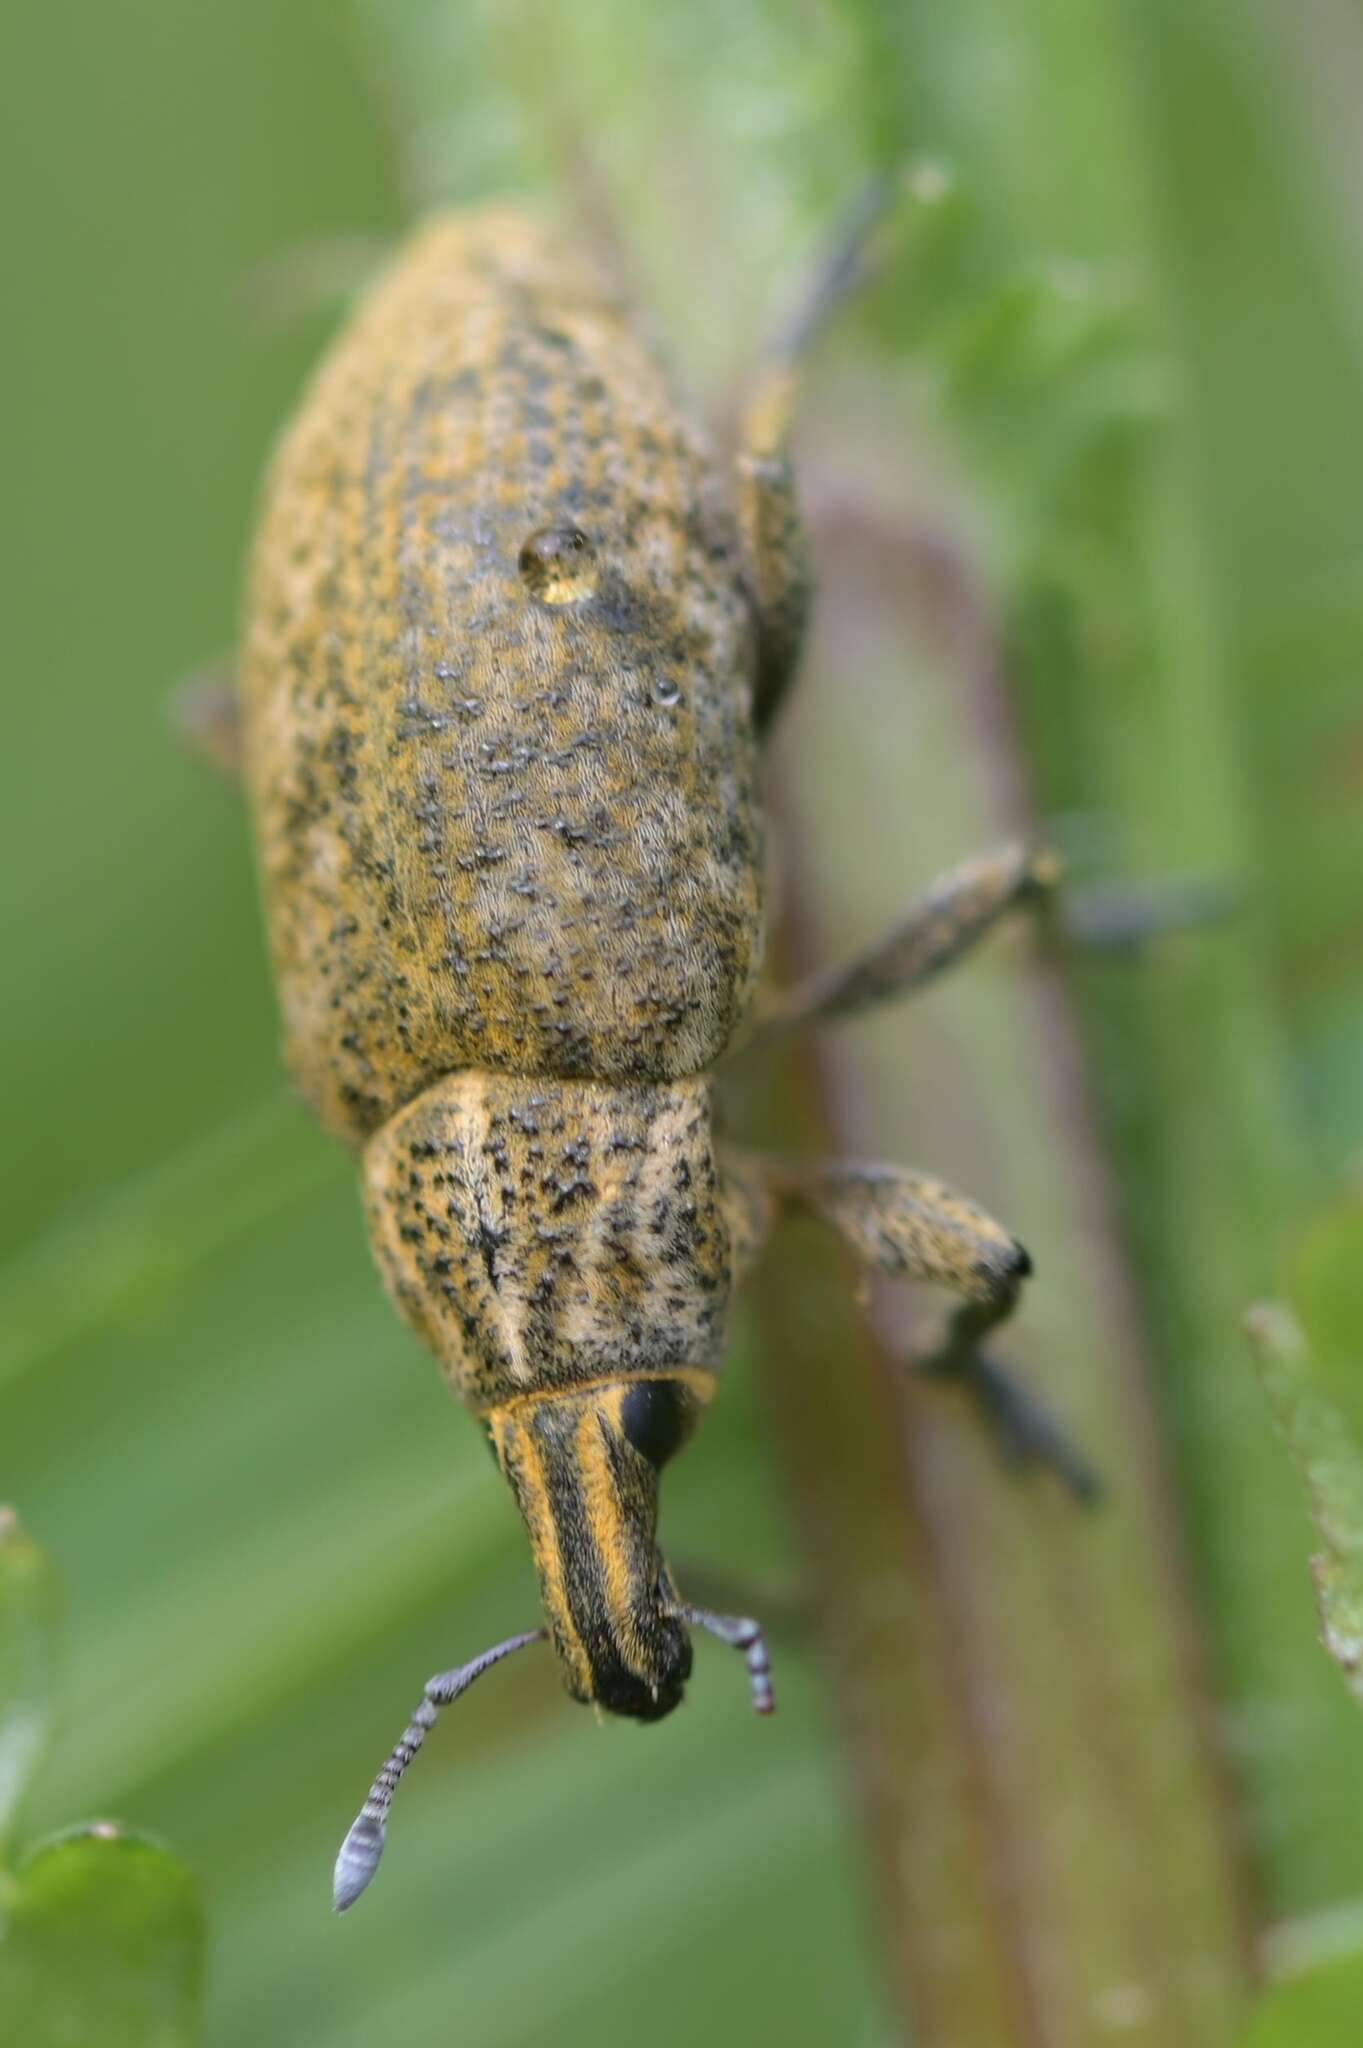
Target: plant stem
(1018,1681)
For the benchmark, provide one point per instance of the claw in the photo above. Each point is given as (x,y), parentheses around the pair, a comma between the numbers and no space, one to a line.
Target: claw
(1026,1431)
(1124,918)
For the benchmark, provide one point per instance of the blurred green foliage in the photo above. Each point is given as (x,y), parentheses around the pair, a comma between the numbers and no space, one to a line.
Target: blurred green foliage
(1308,1357)
(1316,2010)
(1312,1380)
(101,1933)
(1117,329)
(102,1941)
(28,1635)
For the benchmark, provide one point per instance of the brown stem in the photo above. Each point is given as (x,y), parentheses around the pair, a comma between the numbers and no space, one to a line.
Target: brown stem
(1019,1684)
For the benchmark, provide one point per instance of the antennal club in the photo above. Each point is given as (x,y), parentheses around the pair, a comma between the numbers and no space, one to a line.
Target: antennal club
(740,1632)
(363,1846)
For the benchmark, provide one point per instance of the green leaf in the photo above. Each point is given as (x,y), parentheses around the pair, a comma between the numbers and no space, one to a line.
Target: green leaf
(28,1623)
(100,1940)
(130,1245)
(1325,1287)
(1328,1458)
(1319,2009)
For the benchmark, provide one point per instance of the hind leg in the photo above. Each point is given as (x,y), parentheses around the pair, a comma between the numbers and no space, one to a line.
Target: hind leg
(777,563)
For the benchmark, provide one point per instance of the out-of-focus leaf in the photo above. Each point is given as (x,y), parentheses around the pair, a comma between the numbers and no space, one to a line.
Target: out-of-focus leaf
(119,1252)
(28,1618)
(1319,2009)
(100,1942)
(1324,1283)
(1330,1463)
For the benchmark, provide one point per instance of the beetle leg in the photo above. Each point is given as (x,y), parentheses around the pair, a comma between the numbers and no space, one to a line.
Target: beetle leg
(917,1228)
(205,710)
(961,907)
(1023,1427)
(943,924)
(748,1205)
(777,574)
(777,568)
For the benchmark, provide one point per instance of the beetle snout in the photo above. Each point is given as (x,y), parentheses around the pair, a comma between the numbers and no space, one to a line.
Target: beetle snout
(584,1465)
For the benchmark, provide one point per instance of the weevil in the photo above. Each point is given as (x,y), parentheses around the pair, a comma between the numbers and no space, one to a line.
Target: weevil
(514,635)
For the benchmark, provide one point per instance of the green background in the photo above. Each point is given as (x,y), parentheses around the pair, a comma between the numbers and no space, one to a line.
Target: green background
(1128,368)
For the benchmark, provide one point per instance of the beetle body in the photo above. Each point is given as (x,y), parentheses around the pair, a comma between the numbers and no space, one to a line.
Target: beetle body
(513,633)
(497,686)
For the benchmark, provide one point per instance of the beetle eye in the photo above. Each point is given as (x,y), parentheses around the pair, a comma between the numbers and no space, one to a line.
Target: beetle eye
(656,1417)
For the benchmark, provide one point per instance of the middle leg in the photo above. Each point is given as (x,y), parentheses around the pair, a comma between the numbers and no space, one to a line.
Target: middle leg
(945,922)
(961,907)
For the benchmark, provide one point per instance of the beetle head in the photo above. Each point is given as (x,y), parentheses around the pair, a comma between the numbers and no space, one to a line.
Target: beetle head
(583,1463)
(584,1466)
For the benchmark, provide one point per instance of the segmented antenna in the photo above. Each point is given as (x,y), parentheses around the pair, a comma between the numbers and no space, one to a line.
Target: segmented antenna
(363,1846)
(740,1632)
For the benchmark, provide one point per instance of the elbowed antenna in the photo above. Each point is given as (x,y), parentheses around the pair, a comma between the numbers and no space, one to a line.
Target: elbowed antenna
(740,1632)
(363,1846)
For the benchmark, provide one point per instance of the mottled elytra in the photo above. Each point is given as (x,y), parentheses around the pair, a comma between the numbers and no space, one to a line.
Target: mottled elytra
(513,635)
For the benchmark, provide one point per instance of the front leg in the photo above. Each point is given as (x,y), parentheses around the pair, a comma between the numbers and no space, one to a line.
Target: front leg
(910,1225)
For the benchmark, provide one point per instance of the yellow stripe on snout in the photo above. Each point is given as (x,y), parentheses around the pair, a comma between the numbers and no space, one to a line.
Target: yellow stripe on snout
(532,1493)
(601,1501)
